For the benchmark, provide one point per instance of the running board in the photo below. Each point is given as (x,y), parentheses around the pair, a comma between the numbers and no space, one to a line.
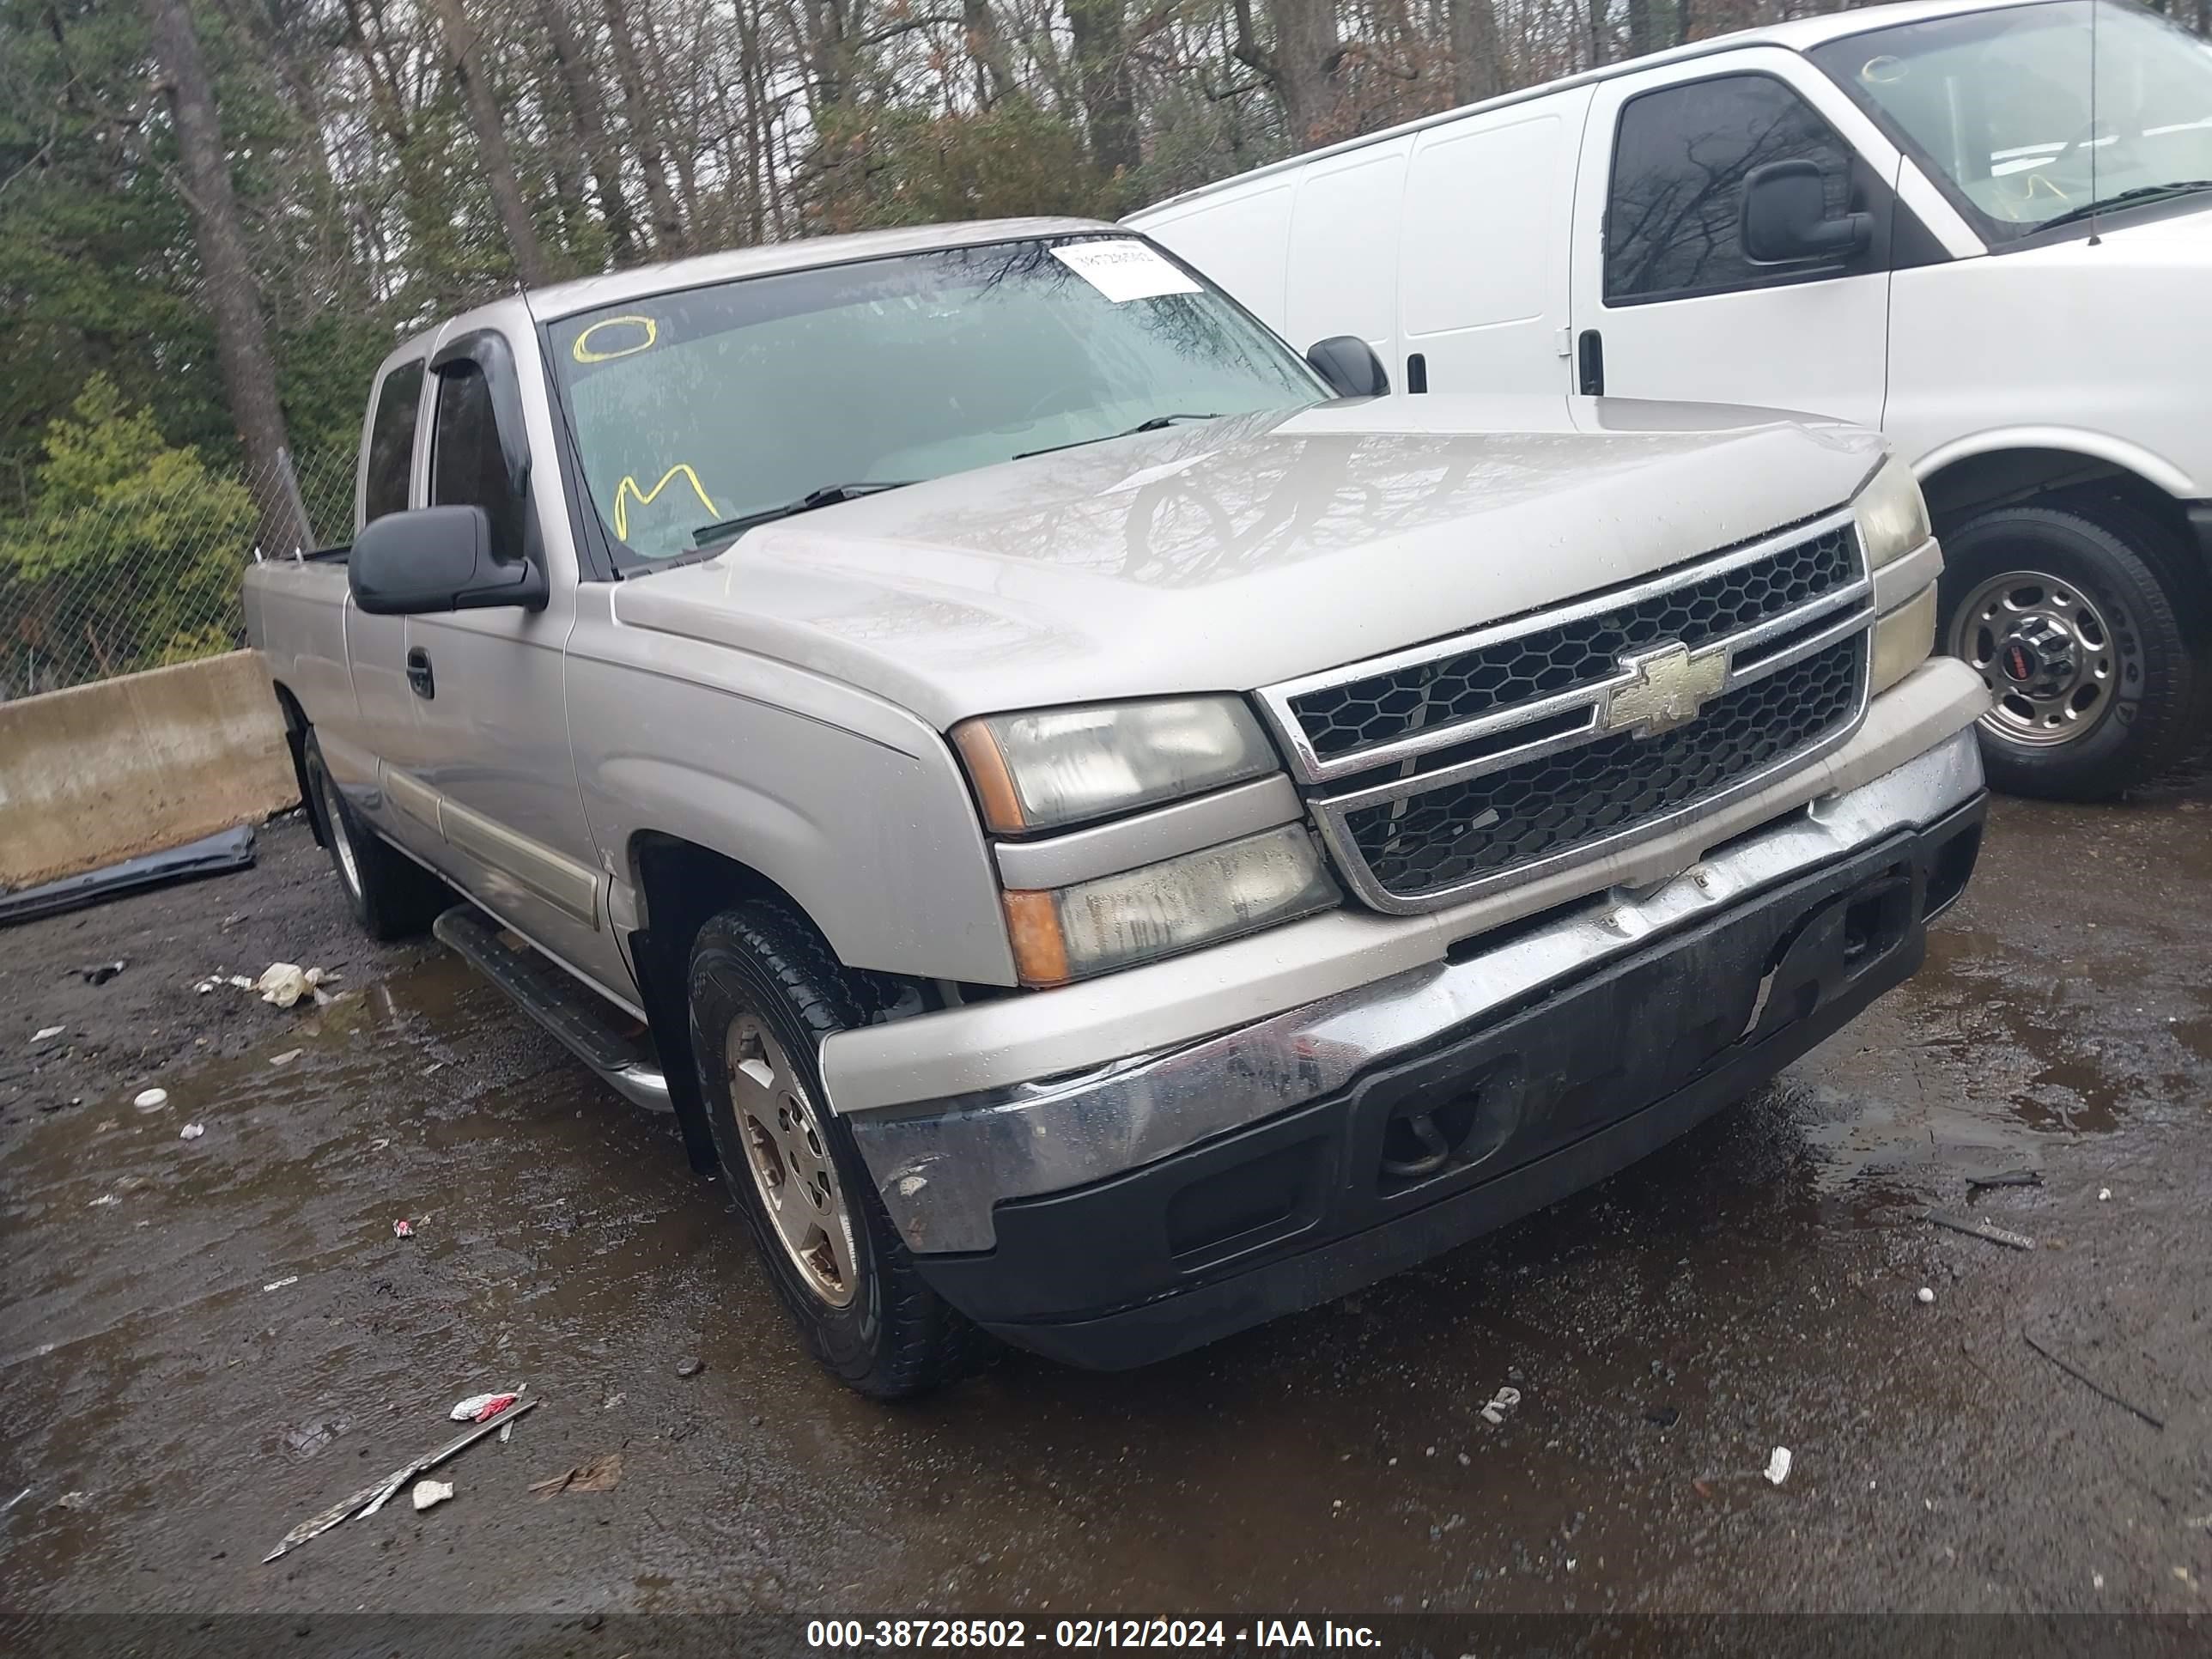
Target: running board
(596,1032)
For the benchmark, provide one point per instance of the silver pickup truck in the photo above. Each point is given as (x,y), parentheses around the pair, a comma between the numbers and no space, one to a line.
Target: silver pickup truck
(1104,830)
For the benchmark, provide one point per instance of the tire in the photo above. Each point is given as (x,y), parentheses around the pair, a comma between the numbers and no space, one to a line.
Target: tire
(2087,648)
(765,991)
(393,897)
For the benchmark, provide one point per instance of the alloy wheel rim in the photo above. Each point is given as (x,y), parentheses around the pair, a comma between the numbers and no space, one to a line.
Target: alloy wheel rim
(789,1157)
(340,841)
(2047,653)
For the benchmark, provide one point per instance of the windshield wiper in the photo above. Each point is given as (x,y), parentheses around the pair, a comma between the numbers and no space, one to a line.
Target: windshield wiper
(1157,423)
(828,496)
(2140,194)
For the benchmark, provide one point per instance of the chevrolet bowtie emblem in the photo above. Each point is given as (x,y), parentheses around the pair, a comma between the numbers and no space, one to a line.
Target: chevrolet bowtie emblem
(1670,687)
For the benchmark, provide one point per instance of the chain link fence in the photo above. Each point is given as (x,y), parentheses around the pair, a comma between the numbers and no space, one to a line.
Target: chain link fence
(143,570)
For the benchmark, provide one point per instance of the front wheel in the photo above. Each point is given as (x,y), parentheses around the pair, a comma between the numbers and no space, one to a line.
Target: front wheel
(765,990)
(2080,642)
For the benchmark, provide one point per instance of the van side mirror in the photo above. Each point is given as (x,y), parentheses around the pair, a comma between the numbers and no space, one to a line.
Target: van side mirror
(437,558)
(1785,217)
(1350,366)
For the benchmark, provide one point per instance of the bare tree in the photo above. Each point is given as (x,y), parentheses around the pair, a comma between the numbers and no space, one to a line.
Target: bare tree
(491,138)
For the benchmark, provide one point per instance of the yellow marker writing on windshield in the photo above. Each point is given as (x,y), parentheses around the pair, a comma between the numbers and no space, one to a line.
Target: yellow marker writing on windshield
(628,491)
(582,351)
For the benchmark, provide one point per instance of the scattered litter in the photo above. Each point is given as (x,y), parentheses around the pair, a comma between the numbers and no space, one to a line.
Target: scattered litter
(2090,1383)
(2007,1178)
(73,1500)
(1500,1403)
(284,983)
(285,1058)
(191,1131)
(611,1401)
(311,1437)
(279,1284)
(370,1498)
(104,1198)
(150,1100)
(378,1145)
(1975,1227)
(403,1228)
(1663,1416)
(1777,1465)
(435,1065)
(47,1033)
(600,1474)
(229,850)
(506,1432)
(1924,1294)
(2198,1523)
(16,1499)
(428,1493)
(2096,1581)
(478,1407)
(690,1365)
(2104,1194)
(100,972)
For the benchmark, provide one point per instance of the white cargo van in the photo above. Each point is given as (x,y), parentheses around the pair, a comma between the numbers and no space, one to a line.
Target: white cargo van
(1928,217)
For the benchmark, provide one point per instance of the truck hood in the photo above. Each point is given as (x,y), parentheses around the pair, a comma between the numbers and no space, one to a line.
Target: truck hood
(1226,556)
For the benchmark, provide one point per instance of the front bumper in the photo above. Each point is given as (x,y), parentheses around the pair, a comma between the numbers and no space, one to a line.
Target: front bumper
(1147,1205)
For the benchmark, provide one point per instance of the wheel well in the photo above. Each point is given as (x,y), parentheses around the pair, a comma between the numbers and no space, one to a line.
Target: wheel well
(2070,481)
(295,740)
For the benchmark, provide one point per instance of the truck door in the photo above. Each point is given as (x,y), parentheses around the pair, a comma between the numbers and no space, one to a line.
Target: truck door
(1666,302)
(487,747)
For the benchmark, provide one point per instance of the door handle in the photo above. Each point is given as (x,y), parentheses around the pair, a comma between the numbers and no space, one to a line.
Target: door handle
(1591,351)
(419,677)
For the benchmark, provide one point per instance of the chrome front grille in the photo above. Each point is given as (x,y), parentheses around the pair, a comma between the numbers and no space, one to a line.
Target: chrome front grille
(1437,772)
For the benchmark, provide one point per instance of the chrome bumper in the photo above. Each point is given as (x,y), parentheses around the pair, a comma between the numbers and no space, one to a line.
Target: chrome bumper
(943,1165)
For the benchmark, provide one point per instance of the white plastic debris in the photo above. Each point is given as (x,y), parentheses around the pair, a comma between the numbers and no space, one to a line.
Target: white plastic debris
(279,1284)
(2104,1194)
(428,1493)
(73,1500)
(1924,1294)
(1777,1465)
(191,1131)
(46,1034)
(285,1058)
(104,1199)
(1500,1403)
(284,982)
(151,1100)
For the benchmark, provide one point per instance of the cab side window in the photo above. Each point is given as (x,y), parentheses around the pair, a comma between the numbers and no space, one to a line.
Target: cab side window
(467,466)
(392,443)
(1680,155)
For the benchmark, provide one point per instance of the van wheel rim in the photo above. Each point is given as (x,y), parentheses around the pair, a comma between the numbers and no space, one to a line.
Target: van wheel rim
(2046,653)
(341,841)
(789,1157)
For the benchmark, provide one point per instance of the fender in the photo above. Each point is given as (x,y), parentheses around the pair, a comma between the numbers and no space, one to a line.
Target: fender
(2091,445)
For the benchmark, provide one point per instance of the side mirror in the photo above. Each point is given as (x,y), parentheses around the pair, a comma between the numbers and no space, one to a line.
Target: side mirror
(1785,209)
(437,558)
(1349,364)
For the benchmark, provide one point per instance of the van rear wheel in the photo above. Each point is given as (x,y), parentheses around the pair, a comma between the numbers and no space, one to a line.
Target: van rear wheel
(765,990)
(2082,643)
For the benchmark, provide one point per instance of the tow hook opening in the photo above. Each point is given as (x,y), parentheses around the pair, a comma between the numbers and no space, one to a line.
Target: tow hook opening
(1424,1138)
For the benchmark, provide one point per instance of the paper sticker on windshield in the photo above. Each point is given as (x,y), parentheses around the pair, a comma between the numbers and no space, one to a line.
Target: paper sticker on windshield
(1123,271)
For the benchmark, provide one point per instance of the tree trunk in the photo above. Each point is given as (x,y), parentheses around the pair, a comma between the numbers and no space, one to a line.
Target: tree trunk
(994,76)
(583,101)
(1305,67)
(249,372)
(1102,73)
(1641,38)
(1599,10)
(491,138)
(1477,70)
(644,134)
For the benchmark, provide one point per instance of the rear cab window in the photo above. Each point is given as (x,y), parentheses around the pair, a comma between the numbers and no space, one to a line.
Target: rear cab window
(392,443)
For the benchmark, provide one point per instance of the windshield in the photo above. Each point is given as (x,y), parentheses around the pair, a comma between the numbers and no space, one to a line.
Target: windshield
(697,408)
(1999,103)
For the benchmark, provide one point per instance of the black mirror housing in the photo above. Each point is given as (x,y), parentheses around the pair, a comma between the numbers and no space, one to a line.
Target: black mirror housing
(1784,218)
(437,558)
(1350,366)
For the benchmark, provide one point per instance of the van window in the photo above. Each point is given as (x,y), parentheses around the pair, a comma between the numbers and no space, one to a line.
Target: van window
(1680,159)
(392,443)
(467,468)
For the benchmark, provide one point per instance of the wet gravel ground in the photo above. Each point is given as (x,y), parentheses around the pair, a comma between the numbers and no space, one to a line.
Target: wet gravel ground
(205,1341)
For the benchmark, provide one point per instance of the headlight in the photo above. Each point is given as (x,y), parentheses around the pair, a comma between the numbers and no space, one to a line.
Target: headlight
(1061,766)
(1201,899)
(1904,639)
(1893,514)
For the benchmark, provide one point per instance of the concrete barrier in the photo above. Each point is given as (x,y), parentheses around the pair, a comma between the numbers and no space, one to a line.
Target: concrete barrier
(133,765)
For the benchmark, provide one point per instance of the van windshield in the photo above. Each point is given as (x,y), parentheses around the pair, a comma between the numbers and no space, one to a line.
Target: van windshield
(1999,103)
(697,411)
